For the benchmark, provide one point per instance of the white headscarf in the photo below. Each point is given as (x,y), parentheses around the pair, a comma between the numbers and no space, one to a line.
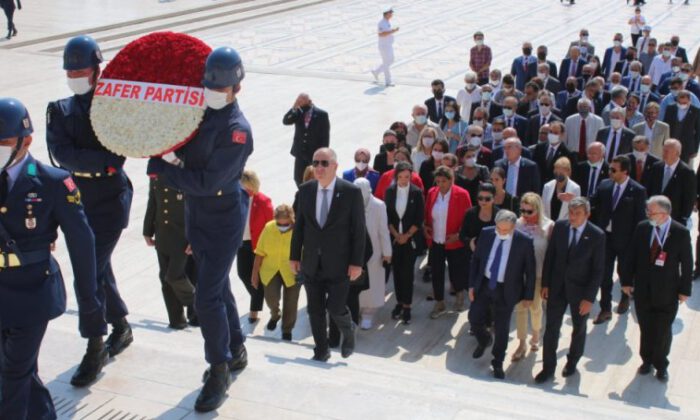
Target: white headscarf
(365,188)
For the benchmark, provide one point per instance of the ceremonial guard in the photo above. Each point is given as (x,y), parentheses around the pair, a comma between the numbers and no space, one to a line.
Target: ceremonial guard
(215,212)
(164,228)
(35,200)
(105,189)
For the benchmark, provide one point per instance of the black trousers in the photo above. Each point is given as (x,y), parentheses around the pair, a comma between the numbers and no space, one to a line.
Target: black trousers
(697,252)
(327,295)
(9,8)
(353,303)
(244,264)
(177,282)
(299,168)
(611,254)
(556,308)
(635,37)
(403,262)
(480,315)
(655,323)
(458,265)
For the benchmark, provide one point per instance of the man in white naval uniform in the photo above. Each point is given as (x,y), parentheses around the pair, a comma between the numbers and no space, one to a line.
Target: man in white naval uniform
(386,47)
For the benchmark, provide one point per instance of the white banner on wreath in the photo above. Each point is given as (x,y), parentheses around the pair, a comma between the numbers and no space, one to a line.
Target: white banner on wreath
(151,92)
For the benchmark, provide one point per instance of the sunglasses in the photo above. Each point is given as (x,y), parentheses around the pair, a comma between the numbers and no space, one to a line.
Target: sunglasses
(527,212)
(484,198)
(323,163)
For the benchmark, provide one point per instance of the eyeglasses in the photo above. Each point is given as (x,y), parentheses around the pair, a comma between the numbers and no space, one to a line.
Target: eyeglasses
(485,198)
(323,163)
(527,212)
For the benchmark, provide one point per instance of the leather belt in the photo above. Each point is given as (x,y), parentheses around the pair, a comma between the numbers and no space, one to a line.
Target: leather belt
(12,260)
(93,175)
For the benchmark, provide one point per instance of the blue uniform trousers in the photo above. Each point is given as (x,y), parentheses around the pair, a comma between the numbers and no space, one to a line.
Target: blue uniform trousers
(107,292)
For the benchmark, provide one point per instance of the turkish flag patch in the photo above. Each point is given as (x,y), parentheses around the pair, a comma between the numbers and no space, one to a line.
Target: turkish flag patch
(239,137)
(68,182)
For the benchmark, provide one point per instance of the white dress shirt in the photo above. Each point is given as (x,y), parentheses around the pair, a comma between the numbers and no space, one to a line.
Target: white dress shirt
(319,199)
(466,100)
(659,67)
(505,252)
(439,213)
(401,203)
(663,228)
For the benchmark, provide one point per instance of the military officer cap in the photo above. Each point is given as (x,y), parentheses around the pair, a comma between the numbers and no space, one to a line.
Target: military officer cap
(14,119)
(223,68)
(81,52)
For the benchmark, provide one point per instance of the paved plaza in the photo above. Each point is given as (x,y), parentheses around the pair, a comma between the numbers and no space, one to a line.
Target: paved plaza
(326,48)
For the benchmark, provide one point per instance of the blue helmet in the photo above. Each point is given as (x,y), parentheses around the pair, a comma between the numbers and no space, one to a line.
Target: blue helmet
(14,119)
(224,68)
(81,52)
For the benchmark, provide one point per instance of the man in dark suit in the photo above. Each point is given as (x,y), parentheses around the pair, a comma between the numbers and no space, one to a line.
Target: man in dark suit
(512,119)
(493,109)
(646,96)
(542,59)
(590,93)
(633,79)
(674,179)
(658,272)
(546,153)
(572,66)
(676,50)
(522,174)
(617,206)
(616,137)
(683,120)
(436,104)
(502,273)
(328,248)
(570,91)
(573,271)
(590,173)
(311,132)
(544,115)
(624,65)
(551,83)
(524,67)
(641,161)
(608,58)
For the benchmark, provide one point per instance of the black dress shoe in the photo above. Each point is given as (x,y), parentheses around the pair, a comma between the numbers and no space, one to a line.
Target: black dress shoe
(624,304)
(272,324)
(603,316)
(427,276)
(481,347)
(396,312)
(240,359)
(348,346)
(543,377)
(406,316)
(192,317)
(321,356)
(177,326)
(696,275)
(644,369)
(287,336)
(662,375)
(253,320)
(120,338)
(214,390)
(498,372)
(95,359)
(569,370)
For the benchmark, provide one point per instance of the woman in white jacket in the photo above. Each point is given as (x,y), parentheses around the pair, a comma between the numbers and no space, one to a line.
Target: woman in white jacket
(378,231)
(557,193)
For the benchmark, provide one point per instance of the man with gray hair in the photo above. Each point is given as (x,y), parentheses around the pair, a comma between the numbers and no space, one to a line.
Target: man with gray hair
(502,273)
(657,274)
(615,136)
(641,160)
(582,127)
(618,99)
(589,173)
(468,97)
(676,180)
(419,114)
(572,273)
(522,174)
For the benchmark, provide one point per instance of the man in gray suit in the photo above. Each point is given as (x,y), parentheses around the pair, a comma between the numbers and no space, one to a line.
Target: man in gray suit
(656,131)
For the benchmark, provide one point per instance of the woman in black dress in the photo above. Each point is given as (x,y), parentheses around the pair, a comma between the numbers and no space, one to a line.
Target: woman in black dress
(470,175)
(502,199)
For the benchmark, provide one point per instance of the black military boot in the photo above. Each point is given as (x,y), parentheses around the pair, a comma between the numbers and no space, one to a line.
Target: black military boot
(120,338)
(238,363)
(95,359)
(214,390)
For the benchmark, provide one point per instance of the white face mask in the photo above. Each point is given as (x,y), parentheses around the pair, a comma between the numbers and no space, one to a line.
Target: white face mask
(507,112)
(486,96)
(542,75)
(471,162)
(617,43)
(553,139)
(595,164)
(644,88)
(79,85)
(616,123)
(639,155)
(438,155)
(5,155)
(497,135)
(675,69)
(479,42)
(361,166)
(684,106)
(545,109)
(495,83)
(470,86)
(475,141)
(428,141)
(502,237)
(284,229)
(214,99)
(634,74)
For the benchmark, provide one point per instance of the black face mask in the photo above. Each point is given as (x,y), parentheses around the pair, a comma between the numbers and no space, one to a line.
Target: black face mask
(675,42)
(438,93)
(630,57)
(541,56)
(586,76)
(527,51)
(306,108)
(390,147)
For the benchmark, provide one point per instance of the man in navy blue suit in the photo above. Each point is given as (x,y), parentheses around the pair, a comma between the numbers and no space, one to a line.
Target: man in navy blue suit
(512,119)
(522,174)
(572,66)
(613,54)
(524,67)
(502,274)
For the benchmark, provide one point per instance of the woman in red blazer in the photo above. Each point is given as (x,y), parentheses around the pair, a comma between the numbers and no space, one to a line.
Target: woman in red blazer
(445,208)
(259,213)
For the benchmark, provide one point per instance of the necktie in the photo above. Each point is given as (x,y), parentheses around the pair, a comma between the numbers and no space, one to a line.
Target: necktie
(582,140)
(591,182)
(3,187)
(307,118)
(616,196)
(550,155)
(525,64)
(324,208)
(613,146)
(510,180)
(667,178)
(640,170)
(544,120)
(644,102)
(510,122)
(572,72)
(635,85)
(496,265)
(655,246)
(573,242)
(439,109)
(624,67)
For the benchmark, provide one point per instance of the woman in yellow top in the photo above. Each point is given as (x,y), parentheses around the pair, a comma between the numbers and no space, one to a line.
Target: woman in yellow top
(271,268)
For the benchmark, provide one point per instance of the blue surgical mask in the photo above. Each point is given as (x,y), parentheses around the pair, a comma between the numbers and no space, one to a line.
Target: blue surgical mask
(420,119)
(449,115)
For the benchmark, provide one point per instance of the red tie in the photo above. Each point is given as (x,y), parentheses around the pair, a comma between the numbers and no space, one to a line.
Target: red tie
(582,140)
(640,170)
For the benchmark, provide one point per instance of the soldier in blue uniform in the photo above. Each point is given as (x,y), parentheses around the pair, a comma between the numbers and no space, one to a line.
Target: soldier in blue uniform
(35,200)
(106,190)
(215,211)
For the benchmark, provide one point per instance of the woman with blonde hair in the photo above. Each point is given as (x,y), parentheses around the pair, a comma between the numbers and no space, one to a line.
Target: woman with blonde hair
(535,223)
(424,148)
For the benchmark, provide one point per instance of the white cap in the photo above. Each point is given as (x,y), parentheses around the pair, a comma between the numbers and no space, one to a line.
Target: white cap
(387,9)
